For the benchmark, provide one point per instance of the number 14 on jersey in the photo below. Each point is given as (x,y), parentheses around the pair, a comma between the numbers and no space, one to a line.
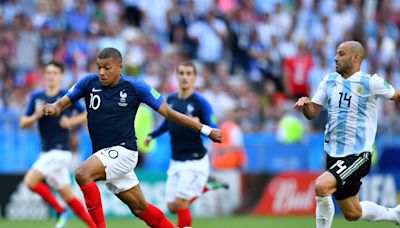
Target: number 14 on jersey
(344,98)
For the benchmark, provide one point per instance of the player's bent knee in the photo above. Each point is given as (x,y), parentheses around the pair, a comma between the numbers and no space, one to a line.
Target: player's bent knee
(83,177)
(177,205)
(174,207)
(66,194)
(171,207)
(67,198)
(321,188)
(353,216)
(29,182)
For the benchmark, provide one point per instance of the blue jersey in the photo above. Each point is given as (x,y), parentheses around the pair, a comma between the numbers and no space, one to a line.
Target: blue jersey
(112,110)
(52,135)
(187,143)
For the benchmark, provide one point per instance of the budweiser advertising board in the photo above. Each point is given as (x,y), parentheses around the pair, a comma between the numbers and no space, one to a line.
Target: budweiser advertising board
(289,193)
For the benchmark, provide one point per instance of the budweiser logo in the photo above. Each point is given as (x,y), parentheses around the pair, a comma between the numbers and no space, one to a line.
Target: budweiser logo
(289,198)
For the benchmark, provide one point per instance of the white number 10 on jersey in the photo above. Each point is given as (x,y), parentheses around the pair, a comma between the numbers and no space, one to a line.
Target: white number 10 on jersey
(94,101)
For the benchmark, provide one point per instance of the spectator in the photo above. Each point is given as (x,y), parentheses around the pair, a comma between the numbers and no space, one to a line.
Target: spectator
(240,31)
(26,50)
(10,9)
(210,34)
(71,32)
(79,18)
(296,72)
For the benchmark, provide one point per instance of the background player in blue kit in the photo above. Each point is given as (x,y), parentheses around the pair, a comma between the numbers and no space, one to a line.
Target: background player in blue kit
(112,101)
(351,98)
(189,167)
(53,162)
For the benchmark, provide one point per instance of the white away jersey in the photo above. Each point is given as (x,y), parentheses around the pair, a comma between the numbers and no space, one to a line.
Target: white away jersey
(352,113)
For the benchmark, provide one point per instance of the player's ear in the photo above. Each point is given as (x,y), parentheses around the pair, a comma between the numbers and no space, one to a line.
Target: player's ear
(356,58)
(120,66)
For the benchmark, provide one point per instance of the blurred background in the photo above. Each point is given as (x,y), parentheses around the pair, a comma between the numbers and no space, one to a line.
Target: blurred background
(254,59)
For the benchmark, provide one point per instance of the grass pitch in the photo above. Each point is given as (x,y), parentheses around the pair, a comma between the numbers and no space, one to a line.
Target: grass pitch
(223,222)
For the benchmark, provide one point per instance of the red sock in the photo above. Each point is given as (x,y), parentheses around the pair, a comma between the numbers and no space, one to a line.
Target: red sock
(184,217)
(45,192)
(155,218)
(205,189)
(92,197)
(81,211)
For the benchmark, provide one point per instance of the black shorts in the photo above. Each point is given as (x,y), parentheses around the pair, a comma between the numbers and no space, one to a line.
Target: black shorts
(348,172)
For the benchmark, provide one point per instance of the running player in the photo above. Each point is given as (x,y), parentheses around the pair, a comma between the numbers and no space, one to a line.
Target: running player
(112,100)
(53,162)
(189,168)
(350,96)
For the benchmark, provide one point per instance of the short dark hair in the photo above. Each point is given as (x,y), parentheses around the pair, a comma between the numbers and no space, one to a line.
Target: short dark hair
(110,53)
(187,63)
(56,64)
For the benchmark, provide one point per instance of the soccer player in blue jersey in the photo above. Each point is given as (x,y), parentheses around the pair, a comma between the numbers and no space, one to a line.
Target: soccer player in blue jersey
(350,96)
(53,162)
(112,100)
(189,167)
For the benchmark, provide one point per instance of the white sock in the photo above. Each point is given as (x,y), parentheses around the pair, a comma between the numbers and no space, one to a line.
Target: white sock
(374,212)
(324,212)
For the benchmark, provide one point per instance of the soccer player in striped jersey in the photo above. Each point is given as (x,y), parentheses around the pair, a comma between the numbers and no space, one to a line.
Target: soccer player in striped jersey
(350,97)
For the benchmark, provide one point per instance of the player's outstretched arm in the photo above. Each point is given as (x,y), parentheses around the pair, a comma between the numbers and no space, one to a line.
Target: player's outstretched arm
(309,109)
(213,133)
(57,107)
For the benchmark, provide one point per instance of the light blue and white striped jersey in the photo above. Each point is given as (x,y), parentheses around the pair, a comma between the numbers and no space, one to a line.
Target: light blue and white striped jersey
(352,113)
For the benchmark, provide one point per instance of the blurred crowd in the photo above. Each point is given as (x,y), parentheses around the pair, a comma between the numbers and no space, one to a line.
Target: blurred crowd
(254,57)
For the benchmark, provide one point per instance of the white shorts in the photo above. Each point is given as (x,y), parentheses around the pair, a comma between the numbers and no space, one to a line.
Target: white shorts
(53,165)
(186,179)
(119,163)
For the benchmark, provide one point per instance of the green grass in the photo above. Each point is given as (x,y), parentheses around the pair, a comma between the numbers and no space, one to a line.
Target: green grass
(224,222)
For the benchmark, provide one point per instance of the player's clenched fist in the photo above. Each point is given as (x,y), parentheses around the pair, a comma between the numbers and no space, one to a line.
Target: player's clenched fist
(216,135)
(301,102)
(50,110)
